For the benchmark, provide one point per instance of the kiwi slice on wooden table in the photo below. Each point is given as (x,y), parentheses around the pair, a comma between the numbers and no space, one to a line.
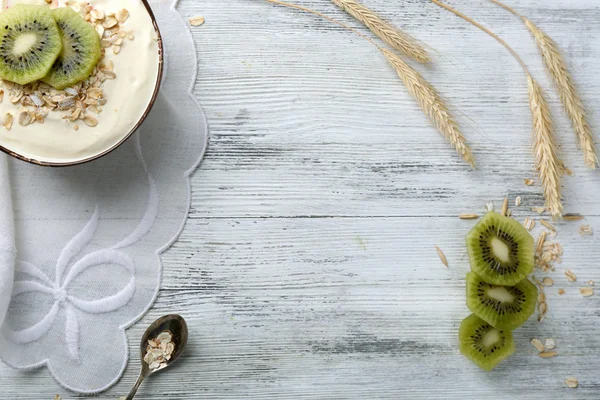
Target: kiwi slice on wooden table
(501,250)
(81,50)
(483,344)
(505,307)
(29,43)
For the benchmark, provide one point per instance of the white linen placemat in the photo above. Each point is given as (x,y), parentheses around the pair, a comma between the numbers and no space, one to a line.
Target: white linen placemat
(89,238)
(7,238)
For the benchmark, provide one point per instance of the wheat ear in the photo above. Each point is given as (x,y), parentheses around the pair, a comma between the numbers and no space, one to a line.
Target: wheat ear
(432,103)
(547,162)
(557,67)
(428,98)
(569,96)
(393,36)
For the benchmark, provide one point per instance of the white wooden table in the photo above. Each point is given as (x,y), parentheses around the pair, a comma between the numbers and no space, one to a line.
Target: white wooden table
(307,269)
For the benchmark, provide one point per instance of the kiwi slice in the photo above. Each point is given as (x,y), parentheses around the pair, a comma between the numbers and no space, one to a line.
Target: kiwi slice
(29,43)
(81,50)
(501,250)
(483,344)
(506,307)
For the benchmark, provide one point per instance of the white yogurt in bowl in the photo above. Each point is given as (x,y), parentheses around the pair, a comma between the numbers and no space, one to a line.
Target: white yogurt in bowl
(138,69)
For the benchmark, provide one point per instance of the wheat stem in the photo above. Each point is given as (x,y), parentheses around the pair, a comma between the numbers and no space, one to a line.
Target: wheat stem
(569,96)
(335,21)
(426,95)
(547,162)
(393,36)
(486,30)
(433,104)
(507,8)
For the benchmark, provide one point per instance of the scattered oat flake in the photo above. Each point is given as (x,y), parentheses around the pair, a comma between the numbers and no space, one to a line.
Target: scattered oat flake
(505,207)
(573,217)
(571,382)
(441,256)
(550,344)
(122,15)
(570,276)
(548,354)
(24,118)
(537,343)
(8,121)
(541,242)
(590,283)
(518,201)
(548,282)
(539,210)
(561,292)
(541,297)
(490,207)
(110,22)
(529,182)
(76,127)
(586,292)
(468,216)
(197,21)
(529,224)
(586,230)
(90,121)
(548,225)
(56,397)
(97,14)
(542,308)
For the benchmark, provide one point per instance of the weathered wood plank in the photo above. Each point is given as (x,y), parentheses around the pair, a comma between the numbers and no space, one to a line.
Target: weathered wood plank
(307,269)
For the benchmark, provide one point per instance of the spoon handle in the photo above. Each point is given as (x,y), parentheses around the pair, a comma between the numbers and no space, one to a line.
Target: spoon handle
(136,387)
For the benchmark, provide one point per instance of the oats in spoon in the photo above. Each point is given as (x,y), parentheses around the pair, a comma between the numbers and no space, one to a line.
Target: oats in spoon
(159,351)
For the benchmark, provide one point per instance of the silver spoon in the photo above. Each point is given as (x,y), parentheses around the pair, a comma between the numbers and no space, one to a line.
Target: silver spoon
(177,327)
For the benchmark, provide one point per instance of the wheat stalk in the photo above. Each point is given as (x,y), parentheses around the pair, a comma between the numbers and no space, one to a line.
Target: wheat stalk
(432,103)
(393,36)
(557,67)
(547,162)
(428,98)
(572,103)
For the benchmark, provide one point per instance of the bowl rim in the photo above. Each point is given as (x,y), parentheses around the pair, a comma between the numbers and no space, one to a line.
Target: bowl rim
(143,117)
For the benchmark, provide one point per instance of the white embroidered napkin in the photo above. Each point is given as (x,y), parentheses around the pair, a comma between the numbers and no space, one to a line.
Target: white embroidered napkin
(89,238)
(7,238)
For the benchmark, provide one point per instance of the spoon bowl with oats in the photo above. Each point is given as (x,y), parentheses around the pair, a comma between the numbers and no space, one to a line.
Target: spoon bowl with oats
(161,345)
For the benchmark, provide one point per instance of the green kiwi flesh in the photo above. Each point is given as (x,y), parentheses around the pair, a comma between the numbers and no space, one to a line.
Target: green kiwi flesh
(501,250)
(505,307)
(29,43)
(483,344)
(81,50)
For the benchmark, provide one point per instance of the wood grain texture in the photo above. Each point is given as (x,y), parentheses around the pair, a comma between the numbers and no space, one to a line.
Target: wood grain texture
(307,268)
